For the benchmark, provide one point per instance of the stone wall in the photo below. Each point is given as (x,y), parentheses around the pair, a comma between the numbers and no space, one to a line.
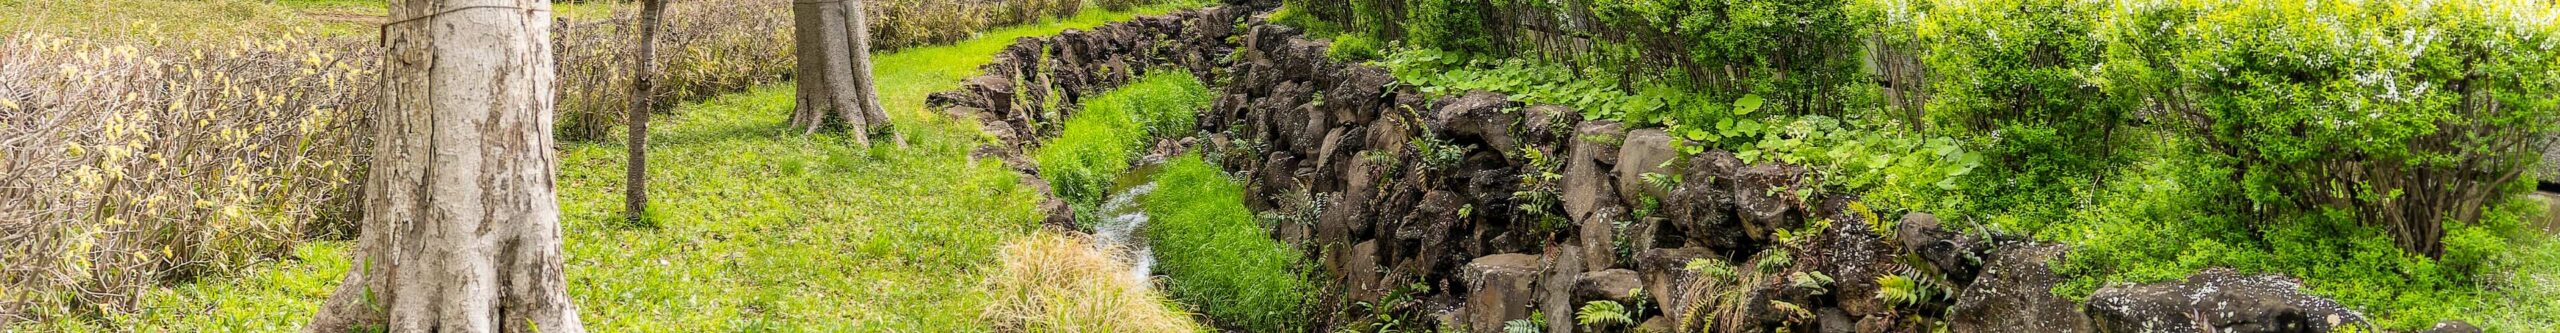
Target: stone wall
(1497,210)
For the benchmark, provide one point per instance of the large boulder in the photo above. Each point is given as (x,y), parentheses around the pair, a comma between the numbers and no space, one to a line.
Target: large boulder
(1955,255)
(2217,300)
(1587,183)
(1618,285)
(1362,271)
(1701,209)
(1555,294)
(1360,95)
(1480,115)
(1644,152)
(1599,238)
(1666,274)
(2015,295)
(1855,255)
(1499,290)
(1764,198)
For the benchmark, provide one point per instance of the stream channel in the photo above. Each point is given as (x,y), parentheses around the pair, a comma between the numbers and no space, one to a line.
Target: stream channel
(1121,224)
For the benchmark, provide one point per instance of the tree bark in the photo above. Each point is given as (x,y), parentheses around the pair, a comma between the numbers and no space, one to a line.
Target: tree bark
(835,83)
(644,89)
(462,226)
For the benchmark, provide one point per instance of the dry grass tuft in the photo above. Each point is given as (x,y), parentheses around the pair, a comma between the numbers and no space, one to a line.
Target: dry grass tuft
(1065,283)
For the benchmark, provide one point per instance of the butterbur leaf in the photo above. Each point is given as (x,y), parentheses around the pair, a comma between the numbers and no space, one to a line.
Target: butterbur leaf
(1695,134)
(1749,103)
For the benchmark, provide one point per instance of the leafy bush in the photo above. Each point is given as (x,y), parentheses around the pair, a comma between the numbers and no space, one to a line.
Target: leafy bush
(1353,48)
(1101,139)
(2006,75)
(2405,116)
(1454,25)
(2166,220)
(1217,255)
(1797,53)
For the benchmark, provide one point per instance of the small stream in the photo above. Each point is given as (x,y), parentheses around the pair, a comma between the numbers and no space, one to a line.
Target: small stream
(1123,224)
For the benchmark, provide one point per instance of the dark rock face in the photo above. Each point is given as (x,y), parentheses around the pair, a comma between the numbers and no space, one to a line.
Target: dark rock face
(1643,153)
(1957,256)
(1562,268)
(2217,300)
(1499,290)
(1702,209)
(1666,277)
(1620,285)
(1599,239)
(1588,184)
(1765,200)
(1480,116)
(2014,295)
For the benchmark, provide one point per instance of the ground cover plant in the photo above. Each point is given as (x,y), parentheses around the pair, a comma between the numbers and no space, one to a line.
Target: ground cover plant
(765,212)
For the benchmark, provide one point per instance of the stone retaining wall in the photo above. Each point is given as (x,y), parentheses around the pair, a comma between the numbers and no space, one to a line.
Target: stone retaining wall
(1406,190)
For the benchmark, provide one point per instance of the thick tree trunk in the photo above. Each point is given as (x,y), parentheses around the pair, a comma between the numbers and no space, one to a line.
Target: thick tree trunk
(835,86)
(644,90)
(462,227)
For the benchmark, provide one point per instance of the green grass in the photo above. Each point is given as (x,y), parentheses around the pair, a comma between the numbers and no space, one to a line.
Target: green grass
(1100,140)
(755,227)
(1217,254)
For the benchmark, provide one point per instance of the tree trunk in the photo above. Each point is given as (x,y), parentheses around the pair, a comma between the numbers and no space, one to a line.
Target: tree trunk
(835,88)
(461,231)
(644,88)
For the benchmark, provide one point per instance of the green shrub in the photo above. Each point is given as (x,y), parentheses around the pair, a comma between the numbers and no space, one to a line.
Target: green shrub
(2006,75)
(1797,53)
(1353,48)
(1218,255)
(1454,25)
(2404,116)
(1100,140)
(2165,220)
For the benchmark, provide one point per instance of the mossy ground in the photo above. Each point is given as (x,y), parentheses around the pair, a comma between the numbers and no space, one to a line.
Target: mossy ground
(755,227)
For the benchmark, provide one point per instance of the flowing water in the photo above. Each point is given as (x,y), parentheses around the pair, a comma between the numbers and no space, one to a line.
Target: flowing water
(1123,221)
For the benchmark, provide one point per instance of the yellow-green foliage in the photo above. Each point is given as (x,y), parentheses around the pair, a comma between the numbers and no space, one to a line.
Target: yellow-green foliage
(126,166)
(1066,283)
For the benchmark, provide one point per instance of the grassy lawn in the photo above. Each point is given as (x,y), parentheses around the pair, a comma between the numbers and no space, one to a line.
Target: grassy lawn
(756,227)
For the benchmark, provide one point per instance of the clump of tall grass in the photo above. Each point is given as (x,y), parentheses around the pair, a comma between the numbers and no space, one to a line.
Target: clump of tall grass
(123,166)
(1050,282)
(1218,255)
